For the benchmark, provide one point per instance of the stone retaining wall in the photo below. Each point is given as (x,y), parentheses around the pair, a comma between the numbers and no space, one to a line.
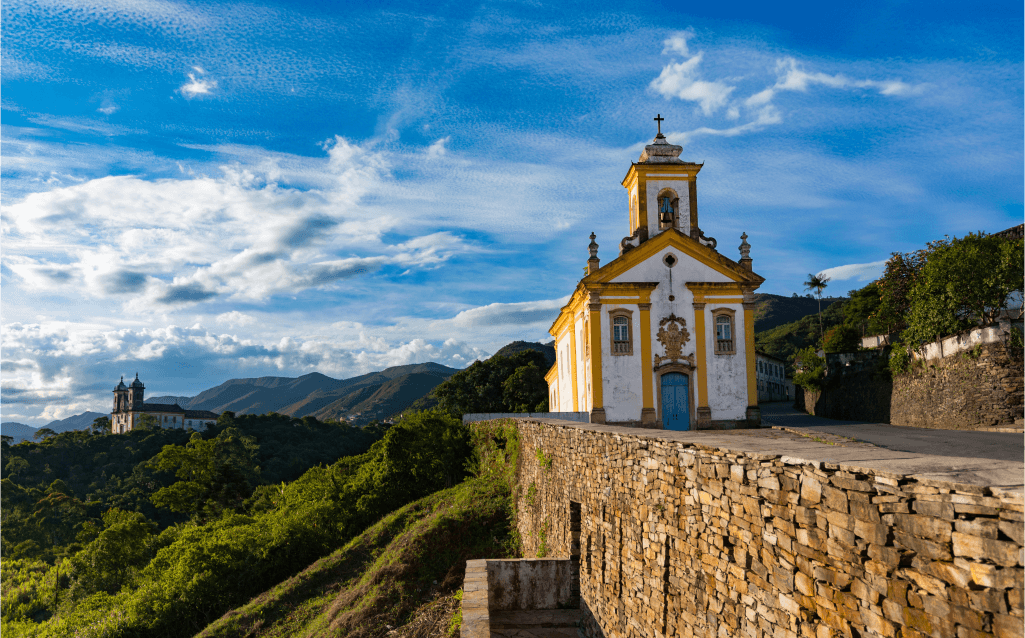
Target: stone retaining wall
(677,539)
(961,392)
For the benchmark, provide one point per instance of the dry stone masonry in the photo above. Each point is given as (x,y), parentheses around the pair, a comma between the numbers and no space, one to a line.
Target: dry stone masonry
(678,538)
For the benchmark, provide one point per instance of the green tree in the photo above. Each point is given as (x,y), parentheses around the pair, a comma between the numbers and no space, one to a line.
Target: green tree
(895,289)
(861,310)
(818,284)
(842,338)
(525,390)
(16,466)
(122,548)
(481,387)
(963,282)
(214,474)
(810,369)
(101,425)
(43,433)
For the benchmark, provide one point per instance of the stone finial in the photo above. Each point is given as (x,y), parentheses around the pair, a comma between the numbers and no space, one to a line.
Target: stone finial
(745,252)
(592,261)
(660,151)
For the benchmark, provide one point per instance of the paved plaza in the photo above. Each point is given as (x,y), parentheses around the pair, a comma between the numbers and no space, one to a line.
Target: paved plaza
(1003,446)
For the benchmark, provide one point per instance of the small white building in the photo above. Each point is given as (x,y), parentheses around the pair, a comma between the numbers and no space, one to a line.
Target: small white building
(129,408)
(773,384)
(663,335)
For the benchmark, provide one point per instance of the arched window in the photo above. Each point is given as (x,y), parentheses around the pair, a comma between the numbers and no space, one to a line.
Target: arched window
(725,343)
(622,332)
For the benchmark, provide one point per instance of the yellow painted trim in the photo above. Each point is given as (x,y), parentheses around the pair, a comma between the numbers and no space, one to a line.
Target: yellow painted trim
(701,345)
(749,344)
(675,239)
(573,361)
(649,401)
(596,385)
(718,300)
(553,372)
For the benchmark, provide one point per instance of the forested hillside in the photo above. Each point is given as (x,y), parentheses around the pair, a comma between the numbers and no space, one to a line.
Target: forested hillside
(772,311)
(160,532)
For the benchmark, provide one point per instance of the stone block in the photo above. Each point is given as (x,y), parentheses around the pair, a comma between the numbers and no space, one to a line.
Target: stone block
(1000,552)
(934,586)
(865,511)
(988,600)
(834,499)
(851,484)
(1014,530)
(1005,626)
(876,624)
(926,548)
(965,632)
(949,573)
(932,508)
(893,611)
(924,527)
(872,532)
(981,527)
(886,555)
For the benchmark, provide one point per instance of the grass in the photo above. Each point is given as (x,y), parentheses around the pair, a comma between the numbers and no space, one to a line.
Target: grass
(404,568)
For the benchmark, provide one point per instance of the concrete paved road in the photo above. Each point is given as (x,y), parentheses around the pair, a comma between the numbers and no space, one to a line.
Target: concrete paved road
(982,445)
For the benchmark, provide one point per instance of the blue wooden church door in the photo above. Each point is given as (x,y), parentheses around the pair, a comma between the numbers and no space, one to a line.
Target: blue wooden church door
(675,401)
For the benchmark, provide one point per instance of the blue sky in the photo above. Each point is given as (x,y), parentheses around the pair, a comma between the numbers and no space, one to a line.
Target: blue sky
(200,191)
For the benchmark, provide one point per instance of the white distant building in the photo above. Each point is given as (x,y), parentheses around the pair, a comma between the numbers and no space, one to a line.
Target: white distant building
(129,407)
(773,384)
(663,335)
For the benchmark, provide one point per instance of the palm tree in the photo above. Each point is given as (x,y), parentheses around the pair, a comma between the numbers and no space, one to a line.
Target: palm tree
(817,283)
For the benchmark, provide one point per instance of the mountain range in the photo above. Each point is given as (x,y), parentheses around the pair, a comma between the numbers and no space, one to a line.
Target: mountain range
(22,432)
(377,395)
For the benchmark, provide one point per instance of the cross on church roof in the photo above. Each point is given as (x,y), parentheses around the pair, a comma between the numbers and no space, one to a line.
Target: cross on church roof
(659,120)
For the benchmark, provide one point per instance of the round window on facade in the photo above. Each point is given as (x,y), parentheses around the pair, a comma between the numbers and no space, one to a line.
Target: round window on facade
(670,260)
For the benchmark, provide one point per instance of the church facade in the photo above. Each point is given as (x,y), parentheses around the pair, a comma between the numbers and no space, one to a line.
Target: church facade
(663,335)
(129,408)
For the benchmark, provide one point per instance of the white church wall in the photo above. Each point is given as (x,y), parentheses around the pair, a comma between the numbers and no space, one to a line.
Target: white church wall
(565,379)
(682,189)
(622,373)
(727,373)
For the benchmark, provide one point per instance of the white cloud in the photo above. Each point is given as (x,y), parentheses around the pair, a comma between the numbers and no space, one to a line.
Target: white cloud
(518,313)
(175,242)
(108,109)
(437,149)
(235,319)
(682,80)
(858,272)
(678,43)
(791,77)
(197,86)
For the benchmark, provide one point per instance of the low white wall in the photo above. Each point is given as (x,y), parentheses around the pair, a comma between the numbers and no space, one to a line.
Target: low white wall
(964,342)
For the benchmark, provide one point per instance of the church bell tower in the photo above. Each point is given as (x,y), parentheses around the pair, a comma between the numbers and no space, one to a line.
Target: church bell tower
(662,192)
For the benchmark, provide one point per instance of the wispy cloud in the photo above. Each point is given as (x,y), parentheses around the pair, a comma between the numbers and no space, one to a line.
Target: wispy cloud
(197,86)
(855,272)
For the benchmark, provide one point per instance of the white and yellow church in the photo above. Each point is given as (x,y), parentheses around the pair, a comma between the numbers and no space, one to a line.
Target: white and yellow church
(663,335)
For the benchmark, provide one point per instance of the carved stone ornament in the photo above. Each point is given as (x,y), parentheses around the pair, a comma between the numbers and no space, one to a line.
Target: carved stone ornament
(673,335)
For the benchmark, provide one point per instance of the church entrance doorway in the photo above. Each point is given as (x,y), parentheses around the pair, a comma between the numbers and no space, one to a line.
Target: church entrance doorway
(675,401)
